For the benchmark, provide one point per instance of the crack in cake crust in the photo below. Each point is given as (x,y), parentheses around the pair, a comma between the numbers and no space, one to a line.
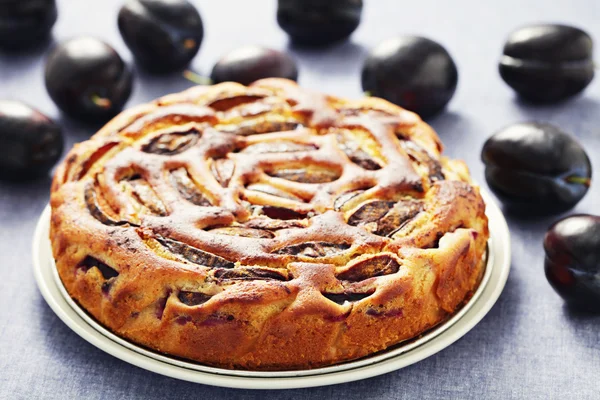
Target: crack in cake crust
(299,229)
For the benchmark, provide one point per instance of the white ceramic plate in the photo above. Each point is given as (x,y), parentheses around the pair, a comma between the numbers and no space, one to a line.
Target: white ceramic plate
(497,268)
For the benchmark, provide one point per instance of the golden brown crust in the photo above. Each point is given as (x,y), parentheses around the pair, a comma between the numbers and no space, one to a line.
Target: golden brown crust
(266,227)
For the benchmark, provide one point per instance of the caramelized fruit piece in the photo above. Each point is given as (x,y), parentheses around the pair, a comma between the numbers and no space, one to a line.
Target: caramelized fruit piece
(258,126)
(91,262)
(94,158)
(243,232)
(281,213)
(535,55)
(275,224)
(382,264)
(281,146)
(398,216)
(253,273)
(306,175)
(344,198)
(187,188)
(421,156)
(229,102)
(93,207)
(265,188)
(572,261)
(193,298)
(314,249)
(357,155)
(161,304)
(384,218)
(370,212)
(145,195)
(194,255)
(341,298)
(172,143)
(222,169)
(251,63)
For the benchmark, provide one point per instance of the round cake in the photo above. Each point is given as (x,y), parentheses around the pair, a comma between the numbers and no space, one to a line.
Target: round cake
(266,227)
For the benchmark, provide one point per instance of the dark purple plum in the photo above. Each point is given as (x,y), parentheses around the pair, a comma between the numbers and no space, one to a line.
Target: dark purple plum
(87,79)
(30,142)
(572,261)
(25,23)
(413,72)
(536,168)
(163,35)
(547,63)
(250,63)
(317,22)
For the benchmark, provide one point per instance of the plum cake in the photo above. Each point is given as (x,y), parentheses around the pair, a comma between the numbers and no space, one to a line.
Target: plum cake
(266,227)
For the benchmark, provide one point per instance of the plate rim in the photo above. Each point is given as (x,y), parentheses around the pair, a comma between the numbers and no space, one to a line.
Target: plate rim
(380,363)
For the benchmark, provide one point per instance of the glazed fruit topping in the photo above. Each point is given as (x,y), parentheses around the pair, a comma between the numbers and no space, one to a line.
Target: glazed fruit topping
(187,188)
(172,143)
(265,188)
(222,169)
(343,199)
(243,232)
(379,265)
(193,298)
(371,211)
(281,213)
(91,262)
(385,218)
(395,219)
(93,206)
(228,102)
(341,298)
(255,127)
(252,273)
(96,156)
(194,255)
(421,157)
(306,174)
(146,196)
(281,146)
(355,153)
(314,249)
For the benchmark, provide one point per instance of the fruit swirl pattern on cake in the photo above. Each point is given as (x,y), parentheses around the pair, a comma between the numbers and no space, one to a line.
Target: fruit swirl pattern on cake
(266,227)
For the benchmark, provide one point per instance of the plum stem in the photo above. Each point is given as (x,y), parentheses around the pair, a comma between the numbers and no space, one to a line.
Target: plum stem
(197,78)
(101,102)
(189,43)
(579,179)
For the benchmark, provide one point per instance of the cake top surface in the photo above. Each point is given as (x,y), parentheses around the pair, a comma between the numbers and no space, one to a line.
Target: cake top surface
(260,182)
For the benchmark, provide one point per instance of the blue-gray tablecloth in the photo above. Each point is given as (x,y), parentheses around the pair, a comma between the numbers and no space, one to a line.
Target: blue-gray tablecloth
(528,346)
